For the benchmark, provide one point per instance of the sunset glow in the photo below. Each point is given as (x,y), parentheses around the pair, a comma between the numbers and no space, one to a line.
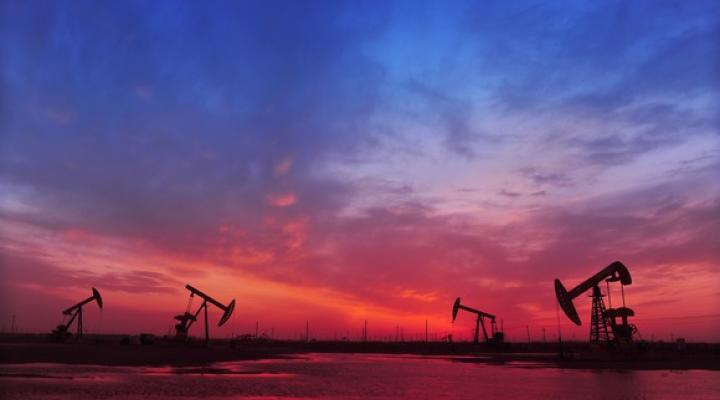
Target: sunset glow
(336,163)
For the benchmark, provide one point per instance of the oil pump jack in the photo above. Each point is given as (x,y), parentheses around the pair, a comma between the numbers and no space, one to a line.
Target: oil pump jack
(497,336)
(601,318)
(76,313)
(187,319)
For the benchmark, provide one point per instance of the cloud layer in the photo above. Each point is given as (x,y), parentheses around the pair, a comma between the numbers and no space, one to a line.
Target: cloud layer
(360,161)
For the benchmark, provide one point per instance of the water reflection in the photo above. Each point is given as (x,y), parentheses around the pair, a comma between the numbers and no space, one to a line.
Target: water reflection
(218,369)
(345,376)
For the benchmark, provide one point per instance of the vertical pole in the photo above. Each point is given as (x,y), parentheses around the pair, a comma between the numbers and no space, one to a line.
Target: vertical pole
(257,328)
(544,337)
(207,327)
(527,328)
(232,333)
(557,317)
(426,331)
(559,332)
(608,294)
(80,325)
(477,330)
(307,331)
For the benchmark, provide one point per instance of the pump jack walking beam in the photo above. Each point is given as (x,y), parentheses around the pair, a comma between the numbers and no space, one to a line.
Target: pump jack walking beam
(616,271)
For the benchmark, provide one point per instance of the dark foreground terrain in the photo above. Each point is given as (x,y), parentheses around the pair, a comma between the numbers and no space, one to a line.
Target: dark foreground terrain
(119,351)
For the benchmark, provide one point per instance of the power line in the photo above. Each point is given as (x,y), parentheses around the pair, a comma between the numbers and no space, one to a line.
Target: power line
(681,317)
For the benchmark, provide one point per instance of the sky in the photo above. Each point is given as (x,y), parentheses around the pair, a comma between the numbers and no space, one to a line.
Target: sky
(338,162)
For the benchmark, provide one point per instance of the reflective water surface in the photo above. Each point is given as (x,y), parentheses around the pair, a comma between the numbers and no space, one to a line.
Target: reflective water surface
(350,376)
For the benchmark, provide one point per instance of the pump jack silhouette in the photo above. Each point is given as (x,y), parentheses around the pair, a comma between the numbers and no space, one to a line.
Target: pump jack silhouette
(76,313)
(187,319)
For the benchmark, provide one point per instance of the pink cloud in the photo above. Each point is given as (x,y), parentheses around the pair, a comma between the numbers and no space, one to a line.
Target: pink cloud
(408,263)
(281,200)
(283,167)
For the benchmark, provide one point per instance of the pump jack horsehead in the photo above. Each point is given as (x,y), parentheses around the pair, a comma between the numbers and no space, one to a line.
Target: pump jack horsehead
(76,313)
(187,319)
(622,331)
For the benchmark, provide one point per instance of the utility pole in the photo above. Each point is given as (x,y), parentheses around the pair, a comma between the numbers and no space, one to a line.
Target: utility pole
(527,328)
(426,331)
(232,331)
(207,327)
(544,337)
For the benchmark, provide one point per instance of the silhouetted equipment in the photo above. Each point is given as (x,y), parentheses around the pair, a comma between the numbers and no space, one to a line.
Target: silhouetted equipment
(622,330)
(497,337)
(598,321)
(187,319)
(601,318)
(613,272)
(76,313)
